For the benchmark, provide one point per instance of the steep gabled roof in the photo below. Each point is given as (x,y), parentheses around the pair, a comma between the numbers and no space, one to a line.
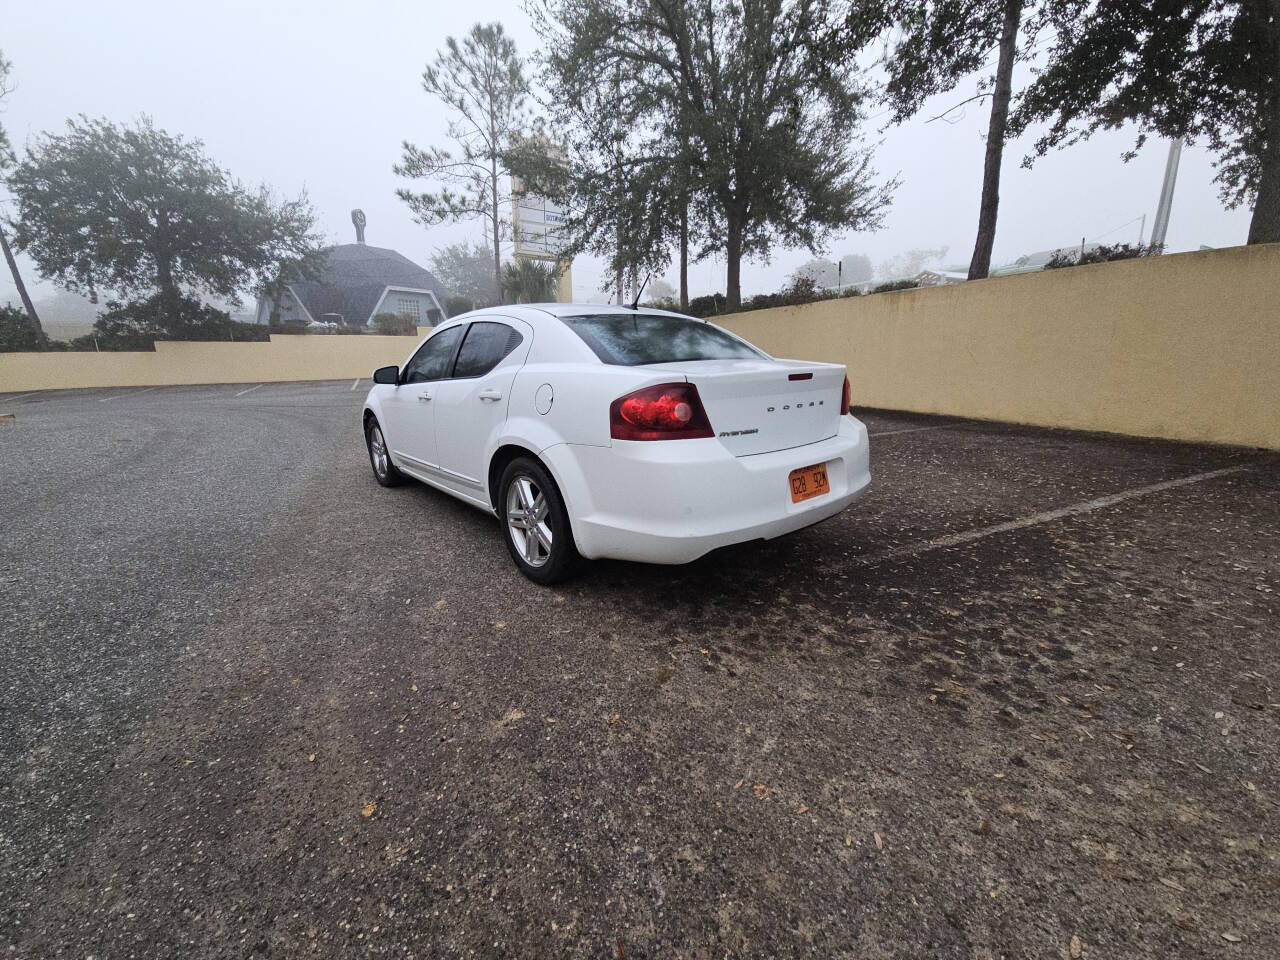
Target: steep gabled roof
(353,278)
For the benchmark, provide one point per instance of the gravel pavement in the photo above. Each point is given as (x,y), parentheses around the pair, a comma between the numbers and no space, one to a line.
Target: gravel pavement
(1022,700)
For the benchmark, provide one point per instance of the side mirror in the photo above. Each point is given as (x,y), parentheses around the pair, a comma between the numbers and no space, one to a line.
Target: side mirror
(389,375)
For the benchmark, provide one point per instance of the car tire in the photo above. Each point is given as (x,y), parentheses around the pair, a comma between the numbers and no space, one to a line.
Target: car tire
(384,471)
(535,523)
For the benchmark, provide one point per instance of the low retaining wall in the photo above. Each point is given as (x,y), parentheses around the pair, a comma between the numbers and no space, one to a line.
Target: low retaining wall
(282,358)
(1185,347)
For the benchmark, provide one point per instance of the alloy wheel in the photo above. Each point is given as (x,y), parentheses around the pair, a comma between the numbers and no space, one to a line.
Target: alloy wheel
(378,452)
(527,525)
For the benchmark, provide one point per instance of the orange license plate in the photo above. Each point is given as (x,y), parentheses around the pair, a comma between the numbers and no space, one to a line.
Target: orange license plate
(809,482)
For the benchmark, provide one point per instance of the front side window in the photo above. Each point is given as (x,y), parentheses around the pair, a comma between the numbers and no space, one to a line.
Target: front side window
(431,362)
(486,345)
(628,340)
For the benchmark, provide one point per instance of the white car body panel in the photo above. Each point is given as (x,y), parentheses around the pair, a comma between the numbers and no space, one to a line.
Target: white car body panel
(664,501)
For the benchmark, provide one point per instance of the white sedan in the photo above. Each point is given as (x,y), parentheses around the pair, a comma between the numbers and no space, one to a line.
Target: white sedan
(599,431)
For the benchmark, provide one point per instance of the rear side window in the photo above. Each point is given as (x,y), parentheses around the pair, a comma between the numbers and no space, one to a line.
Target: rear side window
(485,347)
(632,339)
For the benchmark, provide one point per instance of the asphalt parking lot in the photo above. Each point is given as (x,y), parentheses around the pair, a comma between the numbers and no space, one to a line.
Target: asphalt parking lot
(1021,700)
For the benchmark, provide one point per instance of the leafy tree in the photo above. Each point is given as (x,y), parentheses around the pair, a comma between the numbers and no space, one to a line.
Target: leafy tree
(628,200)
(1200,69)
(466,270)
(133,209)
(940,42)
(855,268)
(762,100)
(852,268)
(482,80)
(6,87)
(819,272)
(6,162)
(529,281)
(911,262)
(659,290)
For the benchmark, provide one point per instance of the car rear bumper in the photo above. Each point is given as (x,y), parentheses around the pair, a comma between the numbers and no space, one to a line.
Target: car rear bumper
(672,502)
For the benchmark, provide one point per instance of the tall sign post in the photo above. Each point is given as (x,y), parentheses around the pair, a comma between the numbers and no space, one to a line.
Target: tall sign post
(538,225)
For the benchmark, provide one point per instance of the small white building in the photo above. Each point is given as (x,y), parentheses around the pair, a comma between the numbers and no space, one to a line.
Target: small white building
(356,283)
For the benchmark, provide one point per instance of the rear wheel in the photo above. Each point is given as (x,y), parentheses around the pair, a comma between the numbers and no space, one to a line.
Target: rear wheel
(536,523)
(384,471)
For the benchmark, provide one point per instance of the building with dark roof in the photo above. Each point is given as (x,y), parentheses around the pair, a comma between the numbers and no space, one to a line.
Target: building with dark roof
(356,283)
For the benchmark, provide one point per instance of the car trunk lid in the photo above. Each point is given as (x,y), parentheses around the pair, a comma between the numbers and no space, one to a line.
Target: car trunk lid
(757,406)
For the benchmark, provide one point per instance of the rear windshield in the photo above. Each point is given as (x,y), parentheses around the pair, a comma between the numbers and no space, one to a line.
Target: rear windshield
(632,339)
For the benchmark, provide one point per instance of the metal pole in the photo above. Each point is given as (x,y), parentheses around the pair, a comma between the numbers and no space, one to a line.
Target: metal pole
(1142,230)
(1166,193)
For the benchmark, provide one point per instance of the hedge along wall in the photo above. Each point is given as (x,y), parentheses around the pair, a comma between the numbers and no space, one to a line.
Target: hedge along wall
(1185,347)
(282,358)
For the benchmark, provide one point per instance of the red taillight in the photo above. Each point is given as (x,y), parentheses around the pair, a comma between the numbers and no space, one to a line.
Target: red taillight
(844,398)
(669,411)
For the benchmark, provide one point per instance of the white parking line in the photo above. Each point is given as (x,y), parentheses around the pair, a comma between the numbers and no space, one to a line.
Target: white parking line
(135,393)
(356,384)
(968,536)
(891,433)
(250,390)
(19,396)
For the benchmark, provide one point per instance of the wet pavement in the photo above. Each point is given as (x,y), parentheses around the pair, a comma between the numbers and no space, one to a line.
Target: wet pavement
(1021,700)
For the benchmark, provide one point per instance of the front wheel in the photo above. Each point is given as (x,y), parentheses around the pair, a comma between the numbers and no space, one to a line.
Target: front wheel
(384,471)
(536,523)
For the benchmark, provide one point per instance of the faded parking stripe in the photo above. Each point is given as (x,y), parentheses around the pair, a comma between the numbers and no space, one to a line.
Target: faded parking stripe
(968,536)
(891,433)
(131,393)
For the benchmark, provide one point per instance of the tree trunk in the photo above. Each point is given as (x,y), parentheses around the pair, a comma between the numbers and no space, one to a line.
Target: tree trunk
(733,260)
(497,235)
(980,265)
(684,254)
(617,270)
(1265,225)
(22,291)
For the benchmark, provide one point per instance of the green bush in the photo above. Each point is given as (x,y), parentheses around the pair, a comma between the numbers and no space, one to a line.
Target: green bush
(456,305)
(16,333)
(707,305)
(799,291)
(1102,254)
(893,285)
(394,324)
(290,329)
(136,325)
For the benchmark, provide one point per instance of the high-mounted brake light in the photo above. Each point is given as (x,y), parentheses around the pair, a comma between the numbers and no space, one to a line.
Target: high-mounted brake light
(669,411)
(844,398)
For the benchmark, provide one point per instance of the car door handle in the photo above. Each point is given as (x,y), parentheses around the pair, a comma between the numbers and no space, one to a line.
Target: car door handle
(424,397)
(490,394)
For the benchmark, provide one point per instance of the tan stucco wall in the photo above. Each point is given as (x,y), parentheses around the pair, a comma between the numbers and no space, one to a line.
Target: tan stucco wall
(319,357)
(1184,346)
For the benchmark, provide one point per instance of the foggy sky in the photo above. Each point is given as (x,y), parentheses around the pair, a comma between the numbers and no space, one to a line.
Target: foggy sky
(319,95)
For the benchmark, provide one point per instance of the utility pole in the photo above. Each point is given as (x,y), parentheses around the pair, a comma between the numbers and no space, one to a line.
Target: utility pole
(1166,193)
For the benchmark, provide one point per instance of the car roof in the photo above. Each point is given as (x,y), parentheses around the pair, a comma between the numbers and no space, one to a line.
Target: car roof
(539,313)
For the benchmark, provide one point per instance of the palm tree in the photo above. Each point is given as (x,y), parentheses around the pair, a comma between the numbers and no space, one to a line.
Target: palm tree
(528,281)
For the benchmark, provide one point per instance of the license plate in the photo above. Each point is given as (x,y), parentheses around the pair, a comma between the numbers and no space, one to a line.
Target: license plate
(809,482)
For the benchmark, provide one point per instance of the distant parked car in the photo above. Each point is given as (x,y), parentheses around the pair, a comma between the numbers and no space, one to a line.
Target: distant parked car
(595,431)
